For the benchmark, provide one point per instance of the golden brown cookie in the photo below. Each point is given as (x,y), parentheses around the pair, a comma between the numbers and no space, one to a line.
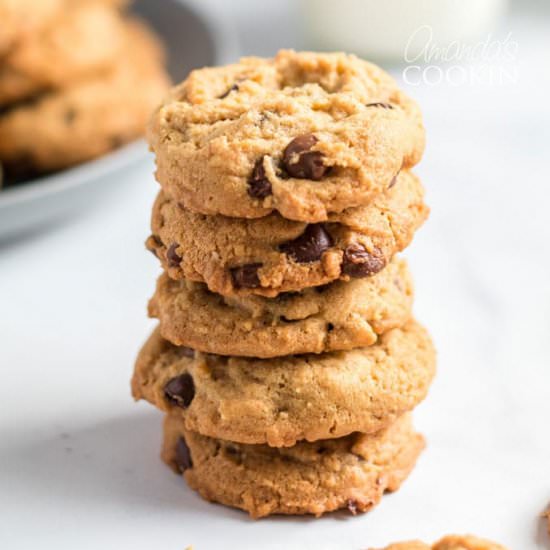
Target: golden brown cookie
(88,119)
(451,542)
(304,134)
(352,472)
(270,255)
(282,400)
(339,316)
(21,18)
(83,39)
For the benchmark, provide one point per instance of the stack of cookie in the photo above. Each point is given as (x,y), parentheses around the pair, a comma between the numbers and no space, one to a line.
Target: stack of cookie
(77,79)
(286,357)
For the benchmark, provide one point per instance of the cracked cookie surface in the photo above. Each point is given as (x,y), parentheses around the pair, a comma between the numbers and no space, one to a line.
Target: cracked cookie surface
(304,134)
(352,472)
(282,400)
(89,118)
(339,316)
(270,255)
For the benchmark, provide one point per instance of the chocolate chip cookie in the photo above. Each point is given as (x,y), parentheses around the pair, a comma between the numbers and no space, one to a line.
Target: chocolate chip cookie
(352,472)
(90,118)
(282,400)
(304,134)
(338,316)
(84,39)
(451,542)
(266,256)
(21,18)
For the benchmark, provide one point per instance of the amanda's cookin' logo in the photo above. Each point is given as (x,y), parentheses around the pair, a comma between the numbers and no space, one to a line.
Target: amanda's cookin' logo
(488,61)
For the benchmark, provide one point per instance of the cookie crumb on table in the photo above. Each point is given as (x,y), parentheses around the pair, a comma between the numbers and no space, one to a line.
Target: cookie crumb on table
(450,542)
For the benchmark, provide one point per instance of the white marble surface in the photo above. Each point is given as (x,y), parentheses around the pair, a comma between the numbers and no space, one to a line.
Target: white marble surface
(79,463)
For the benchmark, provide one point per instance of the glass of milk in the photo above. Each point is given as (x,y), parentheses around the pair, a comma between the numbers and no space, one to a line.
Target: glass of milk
(382,29)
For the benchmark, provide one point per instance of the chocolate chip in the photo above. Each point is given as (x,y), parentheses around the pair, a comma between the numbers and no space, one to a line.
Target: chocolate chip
(310,245)
(352,506)
(234,88)
(358,262)
(231,450)
(184,351)
(320,289)
(172,257)
(259,186)
(69,115)
(380,104)
(179,391)
(301,162)
(246,276)
(183,455)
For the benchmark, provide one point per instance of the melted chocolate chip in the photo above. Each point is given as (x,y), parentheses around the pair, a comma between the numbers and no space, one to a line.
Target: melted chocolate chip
(380,104)
(358,262)
(179,391)
(246,276)
(300,162)
(184,351)
(310,245)
(183,455)
(259,186)
(234,88)
(352,506)
(172,257)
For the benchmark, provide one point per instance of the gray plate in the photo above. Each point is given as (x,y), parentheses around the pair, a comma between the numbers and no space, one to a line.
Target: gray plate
(193,39)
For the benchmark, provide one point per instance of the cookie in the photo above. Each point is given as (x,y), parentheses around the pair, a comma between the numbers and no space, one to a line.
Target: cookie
(304,134)
(270,255)
(282,400)
(352,472)
(451,542)
(85,38)
(339,316)
(22,18)
(88,119)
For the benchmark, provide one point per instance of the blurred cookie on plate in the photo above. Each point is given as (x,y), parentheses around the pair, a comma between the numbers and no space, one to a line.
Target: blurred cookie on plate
(87,117)
(79,41)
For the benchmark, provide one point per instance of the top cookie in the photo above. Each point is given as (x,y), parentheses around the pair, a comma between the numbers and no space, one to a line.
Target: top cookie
(305,134)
